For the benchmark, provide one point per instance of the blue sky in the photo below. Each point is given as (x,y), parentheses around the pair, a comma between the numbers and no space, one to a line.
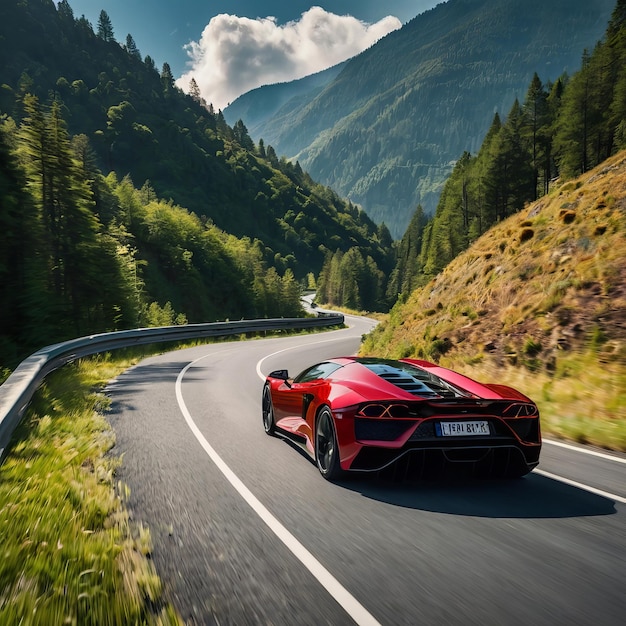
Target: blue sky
(260,42)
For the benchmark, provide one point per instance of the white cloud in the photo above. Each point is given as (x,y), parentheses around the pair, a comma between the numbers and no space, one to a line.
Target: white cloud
(237,54)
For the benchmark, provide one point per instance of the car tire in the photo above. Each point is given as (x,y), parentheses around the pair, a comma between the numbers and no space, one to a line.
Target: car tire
(326,448)
(268,411)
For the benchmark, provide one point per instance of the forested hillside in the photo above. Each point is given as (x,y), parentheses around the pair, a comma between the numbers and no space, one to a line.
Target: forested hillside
(539,302)
(561,130)
(140,124)
(532,293)
(126,202)
(387,130)
(557,131)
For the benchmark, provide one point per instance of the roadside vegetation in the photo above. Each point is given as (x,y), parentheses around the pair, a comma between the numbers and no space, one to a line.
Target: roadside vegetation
(70,554)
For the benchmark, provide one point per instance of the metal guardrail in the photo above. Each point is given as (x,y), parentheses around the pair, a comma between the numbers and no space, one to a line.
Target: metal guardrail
(19,388)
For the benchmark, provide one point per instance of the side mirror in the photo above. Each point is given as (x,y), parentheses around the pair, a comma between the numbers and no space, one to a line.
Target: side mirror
(280,374)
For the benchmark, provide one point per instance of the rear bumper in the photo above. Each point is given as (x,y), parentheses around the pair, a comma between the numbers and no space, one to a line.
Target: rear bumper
(488,461)
(420,451)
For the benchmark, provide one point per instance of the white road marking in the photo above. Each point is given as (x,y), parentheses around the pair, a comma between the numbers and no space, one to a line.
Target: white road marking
(595,453)
(261,375)
(349,603)
(573,483)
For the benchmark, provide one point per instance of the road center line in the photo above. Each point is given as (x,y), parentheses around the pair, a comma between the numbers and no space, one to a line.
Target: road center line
(349,603)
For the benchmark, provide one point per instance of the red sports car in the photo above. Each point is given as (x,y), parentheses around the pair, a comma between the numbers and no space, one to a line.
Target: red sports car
(408,416)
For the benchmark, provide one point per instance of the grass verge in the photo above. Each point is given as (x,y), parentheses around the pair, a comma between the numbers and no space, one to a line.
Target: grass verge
(583,401)
(69,553)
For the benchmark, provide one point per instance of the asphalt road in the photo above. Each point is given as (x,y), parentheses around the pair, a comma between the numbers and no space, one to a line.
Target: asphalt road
(246,531)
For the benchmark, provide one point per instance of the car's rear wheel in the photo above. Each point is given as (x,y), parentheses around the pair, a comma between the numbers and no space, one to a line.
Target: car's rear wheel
(268,411)
(326,449)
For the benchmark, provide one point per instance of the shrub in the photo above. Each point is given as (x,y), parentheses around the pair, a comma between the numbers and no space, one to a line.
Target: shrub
(531,347)
(527,234)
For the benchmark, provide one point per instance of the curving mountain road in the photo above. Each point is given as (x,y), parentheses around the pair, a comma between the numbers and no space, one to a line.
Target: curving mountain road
(246,531)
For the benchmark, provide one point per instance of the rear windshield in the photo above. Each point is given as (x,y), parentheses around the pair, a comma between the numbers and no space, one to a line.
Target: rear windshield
(413,379)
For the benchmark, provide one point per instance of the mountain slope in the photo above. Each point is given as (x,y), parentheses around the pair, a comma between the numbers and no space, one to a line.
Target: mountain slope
(261,104)
(139,124)
(543,292)
(386,131)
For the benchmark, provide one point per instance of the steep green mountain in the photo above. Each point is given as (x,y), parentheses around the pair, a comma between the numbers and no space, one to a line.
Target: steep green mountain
(140,124)
(125,202)
(387,130)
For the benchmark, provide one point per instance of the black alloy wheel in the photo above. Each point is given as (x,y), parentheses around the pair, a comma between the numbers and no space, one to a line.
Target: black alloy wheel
(326,449)
(268,411)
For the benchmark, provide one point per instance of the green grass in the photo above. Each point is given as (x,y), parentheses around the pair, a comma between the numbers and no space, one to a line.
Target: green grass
(584,400)
(69,554)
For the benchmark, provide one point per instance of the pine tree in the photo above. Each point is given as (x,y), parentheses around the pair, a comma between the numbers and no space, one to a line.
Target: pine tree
(149,63)
(262,153)
(65,11)
(351,275)
(616,41)
(535,130)
(508,179)
(105,27)
(35,155)
(578,121)
(131,47)
(242,137)
(22,300)
(407,272)
(271,156)
(384,237)
(449,233)
(485,199)
(555,95)
(167,78)
(519,161)
(372,286)
(291,293)
(194,92)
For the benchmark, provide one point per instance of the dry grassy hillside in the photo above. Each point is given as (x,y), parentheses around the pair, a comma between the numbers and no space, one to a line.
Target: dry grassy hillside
(539,302)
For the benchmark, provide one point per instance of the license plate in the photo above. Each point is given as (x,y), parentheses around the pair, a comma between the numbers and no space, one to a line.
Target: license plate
(462,429)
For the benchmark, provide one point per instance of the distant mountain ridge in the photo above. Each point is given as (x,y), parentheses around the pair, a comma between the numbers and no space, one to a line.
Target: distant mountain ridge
(387,129)
(261,104)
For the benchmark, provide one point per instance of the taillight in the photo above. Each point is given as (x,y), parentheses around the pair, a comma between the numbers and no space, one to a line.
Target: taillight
(376,410)
(520,409)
